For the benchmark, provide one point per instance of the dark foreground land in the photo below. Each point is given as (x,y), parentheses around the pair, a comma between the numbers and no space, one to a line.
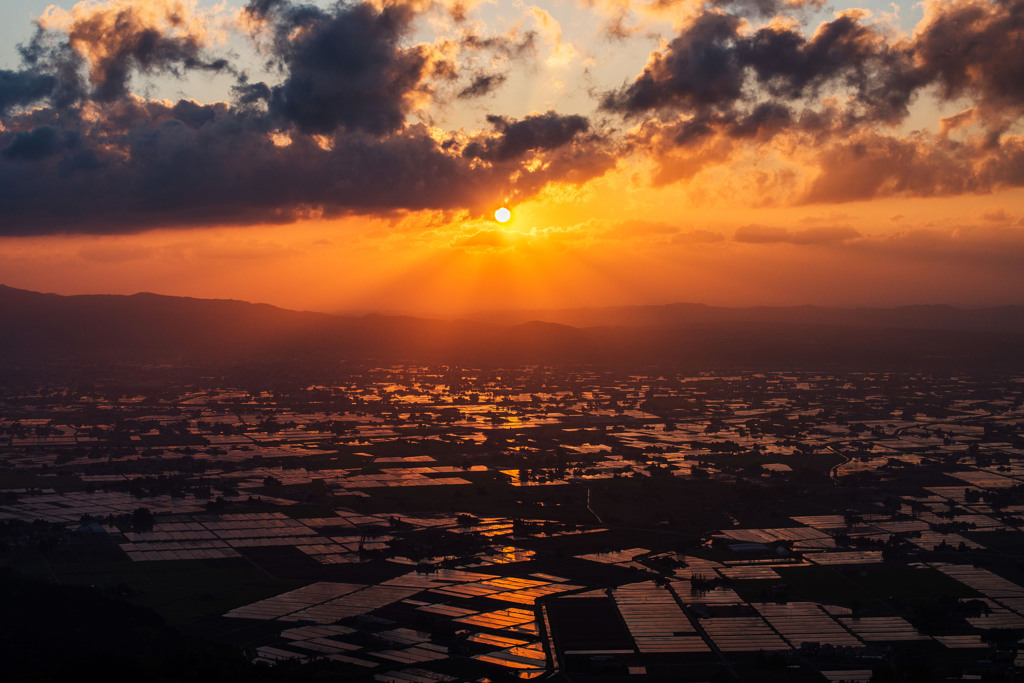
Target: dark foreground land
(442,523)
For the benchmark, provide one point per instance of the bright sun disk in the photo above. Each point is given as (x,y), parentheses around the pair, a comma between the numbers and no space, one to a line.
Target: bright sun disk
(502,215)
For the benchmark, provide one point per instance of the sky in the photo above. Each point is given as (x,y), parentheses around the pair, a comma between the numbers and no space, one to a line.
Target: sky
(349,157)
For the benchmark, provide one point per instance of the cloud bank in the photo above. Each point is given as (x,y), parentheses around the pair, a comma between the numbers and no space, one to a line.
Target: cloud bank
(79,152)
(341,130)
(840,95)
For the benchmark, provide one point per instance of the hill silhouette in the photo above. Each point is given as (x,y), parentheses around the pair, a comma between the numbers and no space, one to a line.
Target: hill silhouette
(148,327)
(155,328)
(1003,319)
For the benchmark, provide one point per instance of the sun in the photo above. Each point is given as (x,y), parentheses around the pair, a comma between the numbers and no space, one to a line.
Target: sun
(502,215)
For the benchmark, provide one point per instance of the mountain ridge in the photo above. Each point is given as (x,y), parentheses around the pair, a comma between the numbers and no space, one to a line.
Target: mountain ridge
(681,315)
(147,326)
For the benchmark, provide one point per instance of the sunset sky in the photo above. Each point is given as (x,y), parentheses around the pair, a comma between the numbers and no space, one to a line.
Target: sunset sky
(350,157)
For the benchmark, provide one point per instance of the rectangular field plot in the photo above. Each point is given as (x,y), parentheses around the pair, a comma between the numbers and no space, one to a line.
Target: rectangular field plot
(655,620)
(982,580)
(803,538)
(806,622)
(748,571)
(742,634)
(352,604)
(846,557)
(883,629)
(524,657)
(293,601)
(500,619)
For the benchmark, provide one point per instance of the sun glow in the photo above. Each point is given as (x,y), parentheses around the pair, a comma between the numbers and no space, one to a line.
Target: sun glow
(503,215)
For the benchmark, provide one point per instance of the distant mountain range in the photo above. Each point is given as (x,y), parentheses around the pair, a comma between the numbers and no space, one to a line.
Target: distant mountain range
(150,327)
(688,316)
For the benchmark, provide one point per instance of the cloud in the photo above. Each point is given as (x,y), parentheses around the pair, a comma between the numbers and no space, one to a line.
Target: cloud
(165,165)
(972,48)
(767,8)
(22,88)
(823,236)
(711,67)
(120,37)
(871,164)
(37,144)
(550,30)
(482,84)
(997,215)
(345,66)
(829,101)
(513,45)
(625,18)
(217,166)
(971,246)
(698,69)
(534,132)
(632,228)
(333,137)
(697,237)
(743,95)
(486,239)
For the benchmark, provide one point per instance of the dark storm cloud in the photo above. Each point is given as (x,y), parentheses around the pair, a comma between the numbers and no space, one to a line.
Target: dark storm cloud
(712,66)
(532,133)
(192,164)
(764,121)
(22,88)
(842,52)
(37,144)
(699,69)
(50,56)
(344,66)
(251,95)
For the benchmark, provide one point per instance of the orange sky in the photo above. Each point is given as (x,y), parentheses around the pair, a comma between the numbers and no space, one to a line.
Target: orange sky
(714,163)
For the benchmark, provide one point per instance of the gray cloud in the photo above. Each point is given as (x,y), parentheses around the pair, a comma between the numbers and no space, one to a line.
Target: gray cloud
(708,69)
(532,133)
(345,66)
(188,164)
(22,88)
(483,84)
